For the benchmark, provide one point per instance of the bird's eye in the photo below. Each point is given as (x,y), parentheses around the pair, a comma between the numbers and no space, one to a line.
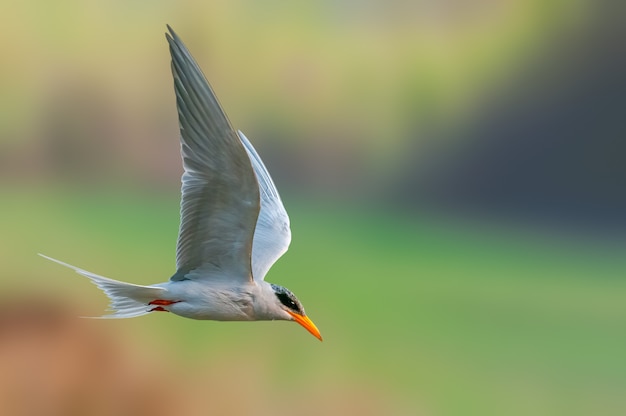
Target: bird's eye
(288,302)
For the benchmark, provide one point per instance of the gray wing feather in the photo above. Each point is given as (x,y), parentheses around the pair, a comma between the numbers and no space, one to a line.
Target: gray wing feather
(272,235)
(220,193)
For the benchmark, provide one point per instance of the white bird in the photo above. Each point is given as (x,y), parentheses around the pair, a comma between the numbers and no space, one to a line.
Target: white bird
(233,224)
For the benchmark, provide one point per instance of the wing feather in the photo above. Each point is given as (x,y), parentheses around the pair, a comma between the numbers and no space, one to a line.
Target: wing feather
(220,193)
(272,234)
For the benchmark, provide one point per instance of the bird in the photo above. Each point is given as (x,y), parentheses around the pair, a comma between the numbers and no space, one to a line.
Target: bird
(233,225)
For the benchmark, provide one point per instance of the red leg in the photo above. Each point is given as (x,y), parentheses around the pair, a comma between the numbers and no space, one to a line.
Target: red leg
(159,303)
(163,302)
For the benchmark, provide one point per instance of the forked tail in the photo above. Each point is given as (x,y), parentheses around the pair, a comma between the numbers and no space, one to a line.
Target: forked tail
(127,300)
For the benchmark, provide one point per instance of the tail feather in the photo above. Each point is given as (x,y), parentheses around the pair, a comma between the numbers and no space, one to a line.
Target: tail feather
(127,300)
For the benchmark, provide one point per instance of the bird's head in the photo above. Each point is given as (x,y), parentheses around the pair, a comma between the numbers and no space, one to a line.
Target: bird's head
(288,302)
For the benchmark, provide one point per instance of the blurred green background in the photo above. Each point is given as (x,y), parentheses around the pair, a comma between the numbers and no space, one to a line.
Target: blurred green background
(453,171)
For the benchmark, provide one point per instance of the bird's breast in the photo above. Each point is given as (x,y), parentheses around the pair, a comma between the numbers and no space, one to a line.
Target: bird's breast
(218,302)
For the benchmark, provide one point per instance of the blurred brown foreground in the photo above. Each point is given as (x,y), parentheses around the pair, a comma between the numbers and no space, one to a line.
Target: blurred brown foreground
(55,363)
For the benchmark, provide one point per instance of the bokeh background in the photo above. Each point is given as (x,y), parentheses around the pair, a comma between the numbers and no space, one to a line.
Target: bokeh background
(454,171)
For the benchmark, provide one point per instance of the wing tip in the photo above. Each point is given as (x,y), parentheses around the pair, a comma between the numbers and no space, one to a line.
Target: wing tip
(177,47)
(170,34)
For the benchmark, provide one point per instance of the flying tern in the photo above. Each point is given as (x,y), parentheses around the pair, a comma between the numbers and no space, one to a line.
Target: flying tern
(233,225)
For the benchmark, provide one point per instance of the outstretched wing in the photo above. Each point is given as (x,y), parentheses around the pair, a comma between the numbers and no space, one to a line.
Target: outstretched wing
(220,193)
(272,234)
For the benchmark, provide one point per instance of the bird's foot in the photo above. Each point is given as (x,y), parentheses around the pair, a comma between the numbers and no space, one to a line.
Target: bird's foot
(163,302)
(159,303)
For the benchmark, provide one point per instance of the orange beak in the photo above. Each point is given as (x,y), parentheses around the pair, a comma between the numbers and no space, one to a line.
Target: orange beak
(306,323)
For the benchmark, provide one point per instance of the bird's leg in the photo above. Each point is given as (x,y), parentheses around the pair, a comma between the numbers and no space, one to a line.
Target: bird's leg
(159,303)
(163,302)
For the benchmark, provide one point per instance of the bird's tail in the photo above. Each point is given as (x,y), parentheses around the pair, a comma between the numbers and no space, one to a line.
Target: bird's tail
(127,300)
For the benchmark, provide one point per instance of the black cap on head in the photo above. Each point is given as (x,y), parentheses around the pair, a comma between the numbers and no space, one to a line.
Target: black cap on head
(288,299)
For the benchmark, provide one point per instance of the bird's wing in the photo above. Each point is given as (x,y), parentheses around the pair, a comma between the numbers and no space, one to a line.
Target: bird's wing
(272,234)
(220,193)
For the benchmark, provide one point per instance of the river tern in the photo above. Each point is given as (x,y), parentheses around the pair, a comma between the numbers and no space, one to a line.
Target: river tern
(233,225)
